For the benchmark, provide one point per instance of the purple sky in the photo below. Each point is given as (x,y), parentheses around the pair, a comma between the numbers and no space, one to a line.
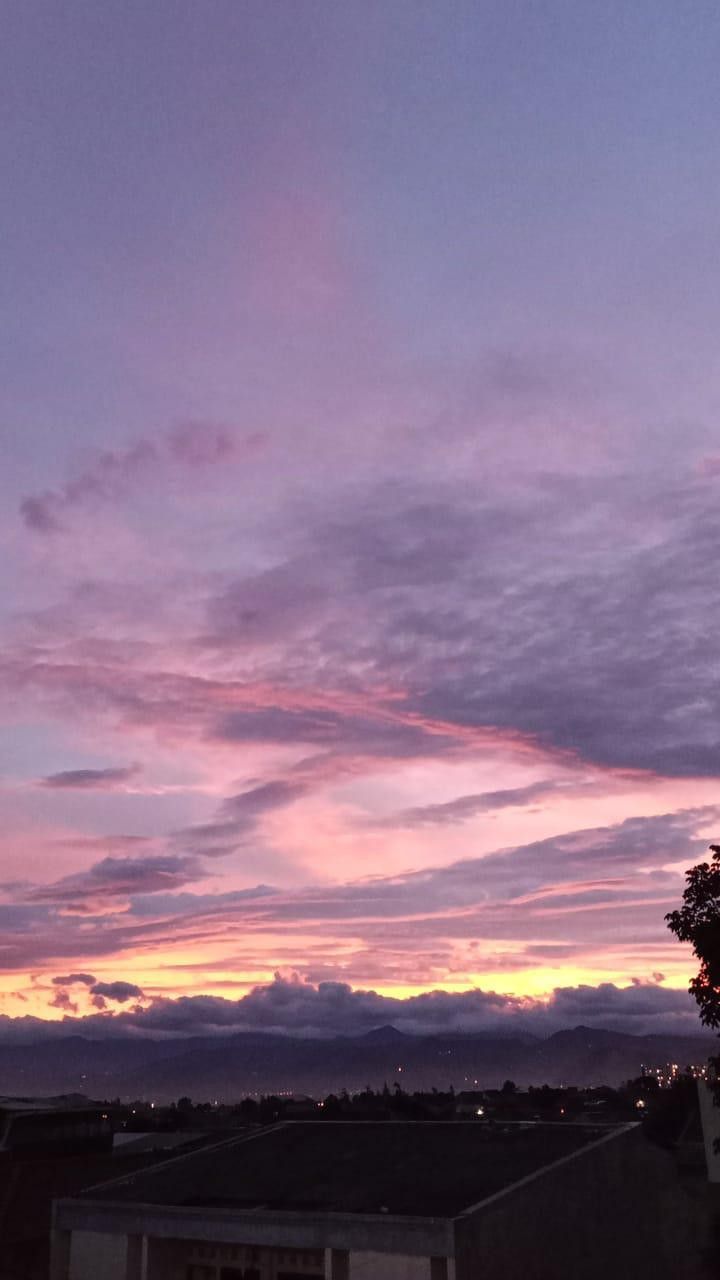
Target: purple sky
(360,524)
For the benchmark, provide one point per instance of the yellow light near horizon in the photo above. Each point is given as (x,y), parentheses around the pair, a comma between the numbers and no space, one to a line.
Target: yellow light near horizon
(537,984)
(170,975)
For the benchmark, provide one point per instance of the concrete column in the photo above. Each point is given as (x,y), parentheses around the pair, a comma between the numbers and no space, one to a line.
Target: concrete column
(337,1264)
(442,1269)
(137,1258)
(60,1254)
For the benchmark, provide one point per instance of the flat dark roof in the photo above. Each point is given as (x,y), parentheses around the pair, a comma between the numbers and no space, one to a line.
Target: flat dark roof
(418,1169)
(49,1107)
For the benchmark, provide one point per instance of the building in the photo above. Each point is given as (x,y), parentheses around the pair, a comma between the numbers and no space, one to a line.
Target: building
(392,1201)
(710,1120)
(53,1147)
(66,1124)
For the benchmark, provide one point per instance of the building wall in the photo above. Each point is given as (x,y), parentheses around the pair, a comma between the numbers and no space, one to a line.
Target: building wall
(387,1266)
(710,1116)
(99,1256)
(178,1260)
(173,1260)
(618,1210)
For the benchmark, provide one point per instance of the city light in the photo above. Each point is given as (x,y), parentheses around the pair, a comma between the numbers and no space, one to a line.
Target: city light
(667,1073)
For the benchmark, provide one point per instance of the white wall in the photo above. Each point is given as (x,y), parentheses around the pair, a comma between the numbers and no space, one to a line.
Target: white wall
(96,1256)
(388,1266)
(99,1256)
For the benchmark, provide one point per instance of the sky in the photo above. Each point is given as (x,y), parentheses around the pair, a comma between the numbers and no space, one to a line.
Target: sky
(359,511)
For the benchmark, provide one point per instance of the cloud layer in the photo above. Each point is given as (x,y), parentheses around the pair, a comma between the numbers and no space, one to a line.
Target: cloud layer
(289,1006)
(363,488)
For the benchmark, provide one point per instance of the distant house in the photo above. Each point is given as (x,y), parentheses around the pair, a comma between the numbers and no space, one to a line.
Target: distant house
(34,1125)
(300,1107)
(398,1201)
(471,1103)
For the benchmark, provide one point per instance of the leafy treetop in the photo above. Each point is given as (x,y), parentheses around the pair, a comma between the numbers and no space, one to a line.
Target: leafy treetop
(698,922)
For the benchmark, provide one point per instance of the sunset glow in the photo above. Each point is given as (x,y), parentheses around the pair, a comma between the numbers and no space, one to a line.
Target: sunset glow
(361,525)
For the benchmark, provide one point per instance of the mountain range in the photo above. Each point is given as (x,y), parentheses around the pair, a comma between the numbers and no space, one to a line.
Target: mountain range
(228,1068)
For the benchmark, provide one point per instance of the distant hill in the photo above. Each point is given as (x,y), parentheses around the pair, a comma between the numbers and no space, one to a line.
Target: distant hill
(385,1035)
(229,1067)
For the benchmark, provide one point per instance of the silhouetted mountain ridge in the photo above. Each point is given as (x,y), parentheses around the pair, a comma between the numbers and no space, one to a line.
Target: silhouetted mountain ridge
(384,1035)
(229,1067)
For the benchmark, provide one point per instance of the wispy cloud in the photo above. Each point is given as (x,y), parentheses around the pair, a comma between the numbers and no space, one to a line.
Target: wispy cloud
(115,472)
(464,807)
(91,779)
(107,885)
(596,895)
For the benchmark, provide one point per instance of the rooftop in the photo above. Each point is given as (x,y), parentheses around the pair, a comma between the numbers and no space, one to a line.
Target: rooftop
(415,1169)
(62,1102)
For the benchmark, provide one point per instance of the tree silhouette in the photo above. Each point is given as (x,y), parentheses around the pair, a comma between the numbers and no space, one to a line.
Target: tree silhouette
(698,922)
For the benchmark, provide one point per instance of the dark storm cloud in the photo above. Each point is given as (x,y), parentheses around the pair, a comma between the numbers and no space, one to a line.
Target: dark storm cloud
(73,979)
(90,779)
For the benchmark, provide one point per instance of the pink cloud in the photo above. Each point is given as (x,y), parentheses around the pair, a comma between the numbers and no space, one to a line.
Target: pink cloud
(115,472)
(91,779)
(204,444)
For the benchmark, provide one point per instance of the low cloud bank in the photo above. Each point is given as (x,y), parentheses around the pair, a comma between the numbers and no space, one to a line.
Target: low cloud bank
(292,1006)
